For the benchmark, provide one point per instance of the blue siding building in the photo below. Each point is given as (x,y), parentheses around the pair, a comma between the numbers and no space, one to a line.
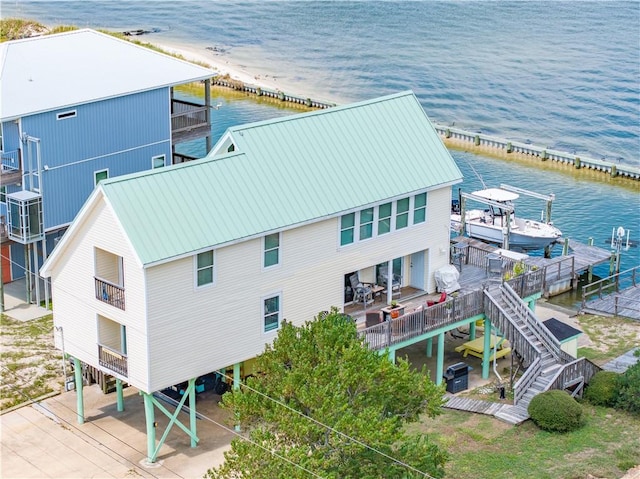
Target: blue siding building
(76,108)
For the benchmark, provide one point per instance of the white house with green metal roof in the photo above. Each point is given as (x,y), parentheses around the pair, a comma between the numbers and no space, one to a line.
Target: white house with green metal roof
(170,274)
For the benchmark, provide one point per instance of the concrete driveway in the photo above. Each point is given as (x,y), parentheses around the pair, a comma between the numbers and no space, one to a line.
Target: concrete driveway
(45,439)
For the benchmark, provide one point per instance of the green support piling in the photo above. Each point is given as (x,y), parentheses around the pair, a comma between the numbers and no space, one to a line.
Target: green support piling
(392,355)
(472,330)
(429,347)
(151,427)
(77,371)
(119,395)
(565,247)
(236,386)
(487,349)
(440,359)
(192,411)
(532,305)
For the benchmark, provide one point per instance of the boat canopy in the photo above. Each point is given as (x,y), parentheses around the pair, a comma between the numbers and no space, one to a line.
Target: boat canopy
(497,194)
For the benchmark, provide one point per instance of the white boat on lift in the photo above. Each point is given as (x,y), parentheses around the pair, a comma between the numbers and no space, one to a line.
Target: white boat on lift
(499,223)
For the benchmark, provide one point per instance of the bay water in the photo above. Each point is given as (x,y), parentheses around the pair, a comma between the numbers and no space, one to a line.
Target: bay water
(564,75)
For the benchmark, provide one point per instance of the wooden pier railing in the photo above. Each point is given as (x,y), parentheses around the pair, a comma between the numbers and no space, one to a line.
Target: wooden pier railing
(611,284)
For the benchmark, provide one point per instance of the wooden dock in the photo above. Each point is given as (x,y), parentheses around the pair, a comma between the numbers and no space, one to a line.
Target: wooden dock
(561,273)
(616,295)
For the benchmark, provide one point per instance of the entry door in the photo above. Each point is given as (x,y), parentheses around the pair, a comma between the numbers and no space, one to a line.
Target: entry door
(6,264)
(417,270)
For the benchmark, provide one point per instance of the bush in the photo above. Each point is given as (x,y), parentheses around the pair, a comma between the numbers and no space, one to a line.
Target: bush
(628,384)
(556,411)
(602,389)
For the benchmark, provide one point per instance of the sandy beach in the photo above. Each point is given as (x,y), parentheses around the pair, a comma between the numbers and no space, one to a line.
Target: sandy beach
(220,63)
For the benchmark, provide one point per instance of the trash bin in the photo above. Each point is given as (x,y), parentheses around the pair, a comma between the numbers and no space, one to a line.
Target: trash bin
(457,376)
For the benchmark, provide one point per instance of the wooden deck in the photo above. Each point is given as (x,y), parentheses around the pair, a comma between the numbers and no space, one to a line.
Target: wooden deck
(616,295)
(625,303)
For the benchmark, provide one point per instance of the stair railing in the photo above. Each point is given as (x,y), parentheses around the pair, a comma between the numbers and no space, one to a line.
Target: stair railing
(578,370)
(538,329)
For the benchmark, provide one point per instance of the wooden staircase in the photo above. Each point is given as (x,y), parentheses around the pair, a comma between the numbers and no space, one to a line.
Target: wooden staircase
(547,365)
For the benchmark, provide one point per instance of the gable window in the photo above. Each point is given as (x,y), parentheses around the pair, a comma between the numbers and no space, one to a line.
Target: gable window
(271,313)
(271,250)
(66,114)
(384,218)
(402,213)
(231,148)
(419,208)
(204,268)
(347,229)
(366,223)
(157,161)
(98,176)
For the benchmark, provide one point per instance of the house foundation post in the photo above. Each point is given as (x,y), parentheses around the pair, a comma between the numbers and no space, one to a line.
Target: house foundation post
(532,305)
(440,359)
(472,330)
(429,347)
(77,371)
(486,353)
(392,355)
(151,427)
(236,386)
(192,412)
(119,395)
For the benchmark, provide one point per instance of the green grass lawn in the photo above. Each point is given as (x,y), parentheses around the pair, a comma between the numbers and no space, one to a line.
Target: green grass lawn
(484,447)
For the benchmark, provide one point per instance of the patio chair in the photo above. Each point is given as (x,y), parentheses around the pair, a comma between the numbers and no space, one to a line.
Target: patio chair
(361,293)
(396,282)
(442,299)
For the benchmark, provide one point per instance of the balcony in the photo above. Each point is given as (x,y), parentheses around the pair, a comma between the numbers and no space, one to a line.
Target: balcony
(11,168)
(112,360)
(110,293)
(189,121)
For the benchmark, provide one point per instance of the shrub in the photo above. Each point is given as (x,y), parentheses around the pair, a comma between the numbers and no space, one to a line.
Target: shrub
(628,384)
(602,389)
(556,411)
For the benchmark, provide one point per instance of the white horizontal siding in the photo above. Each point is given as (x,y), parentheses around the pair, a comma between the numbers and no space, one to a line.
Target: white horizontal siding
(75,307)
(195,331)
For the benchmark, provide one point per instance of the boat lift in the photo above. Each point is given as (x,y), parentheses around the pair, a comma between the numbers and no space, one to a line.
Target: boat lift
(508,209)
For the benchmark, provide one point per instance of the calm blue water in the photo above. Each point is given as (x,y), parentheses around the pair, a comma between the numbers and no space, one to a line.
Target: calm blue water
(564,75)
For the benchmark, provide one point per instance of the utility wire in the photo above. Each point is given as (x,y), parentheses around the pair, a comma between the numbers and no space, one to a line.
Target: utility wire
(357,441)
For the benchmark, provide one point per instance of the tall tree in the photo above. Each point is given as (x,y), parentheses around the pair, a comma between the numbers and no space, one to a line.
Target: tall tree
(327,406)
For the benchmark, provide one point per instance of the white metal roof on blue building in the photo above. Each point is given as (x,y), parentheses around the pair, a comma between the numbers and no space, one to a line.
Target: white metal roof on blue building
(57,71)
(285,172)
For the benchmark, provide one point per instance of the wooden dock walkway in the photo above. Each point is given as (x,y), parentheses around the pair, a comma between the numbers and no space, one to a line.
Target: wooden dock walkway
(625,303)
(505,412)
(616,295)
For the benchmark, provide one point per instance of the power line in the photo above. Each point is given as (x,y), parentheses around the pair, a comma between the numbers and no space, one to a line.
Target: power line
(357,441)
(75,427)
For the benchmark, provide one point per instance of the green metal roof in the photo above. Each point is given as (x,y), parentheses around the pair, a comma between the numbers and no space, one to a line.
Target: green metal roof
(284,172)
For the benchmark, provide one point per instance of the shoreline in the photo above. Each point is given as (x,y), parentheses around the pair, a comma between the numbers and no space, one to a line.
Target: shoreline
(220,63)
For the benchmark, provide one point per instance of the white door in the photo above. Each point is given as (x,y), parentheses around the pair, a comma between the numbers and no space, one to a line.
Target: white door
(417,270)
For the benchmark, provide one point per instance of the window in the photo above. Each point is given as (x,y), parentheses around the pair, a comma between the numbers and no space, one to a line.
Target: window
(271,313)
(271,250)
(347,226)
(157,161)
(3,194)
(204,268)
(66,114)
(384,218)
(402,213)
(366,223)
(231,148)
(100,175)
(419,208)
